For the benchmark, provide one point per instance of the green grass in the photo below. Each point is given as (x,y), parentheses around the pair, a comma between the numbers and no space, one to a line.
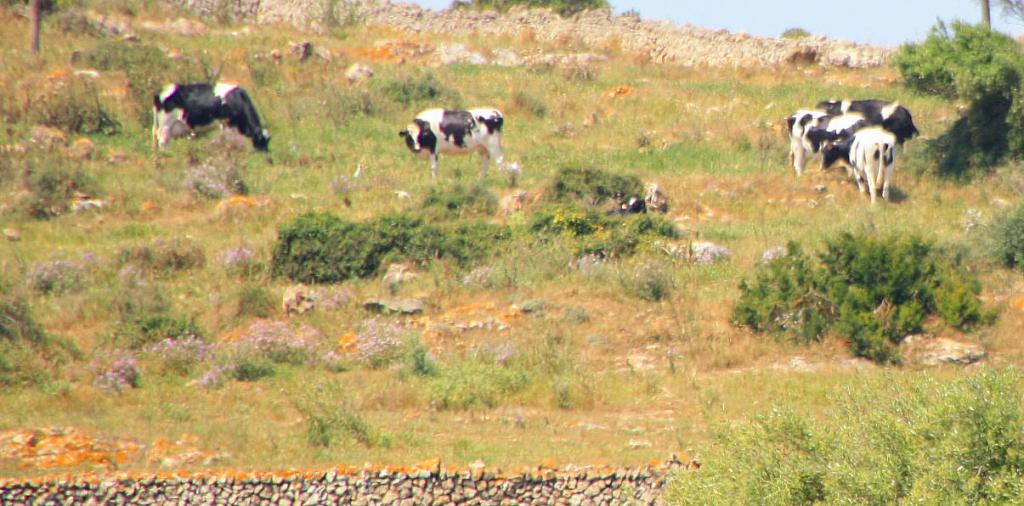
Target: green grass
(726,179)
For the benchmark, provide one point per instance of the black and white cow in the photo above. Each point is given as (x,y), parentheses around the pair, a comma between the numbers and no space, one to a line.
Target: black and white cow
(871,153)
(180,109)
(436,131)
(810,129)
(889,115)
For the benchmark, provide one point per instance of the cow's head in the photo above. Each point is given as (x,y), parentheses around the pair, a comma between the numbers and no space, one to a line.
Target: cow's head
(419,138)
(830,106)
(819,138)
(838,153)
(261,140)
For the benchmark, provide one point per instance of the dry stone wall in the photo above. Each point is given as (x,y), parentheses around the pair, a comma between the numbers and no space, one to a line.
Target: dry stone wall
(660,41)
(349,486)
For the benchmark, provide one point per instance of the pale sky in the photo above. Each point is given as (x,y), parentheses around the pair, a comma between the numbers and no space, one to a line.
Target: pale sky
(882,22)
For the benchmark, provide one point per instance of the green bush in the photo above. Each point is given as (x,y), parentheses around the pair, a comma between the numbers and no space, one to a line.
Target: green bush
(1006,235)
(795,33)
(254,301)
(251,367)
(873,291)
(329,412)
(648,281)
(72,105)
(52,183)
(592,185)
(321,248)
(164,256)
(982,67)
(930,441)
(417,89)
(562,7)
(142,330)
(595,233)
(458,201)
(473,384)
(28,355)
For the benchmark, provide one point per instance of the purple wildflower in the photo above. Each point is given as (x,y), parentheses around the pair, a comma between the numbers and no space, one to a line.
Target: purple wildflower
(182,353)
(214,377)
(279,342)
(379,342)
(121,374)
(57,276)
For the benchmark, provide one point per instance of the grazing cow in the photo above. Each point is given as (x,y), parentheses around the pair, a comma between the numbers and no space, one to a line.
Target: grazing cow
(633,205)
(799,148)
(890,115)
(871,152)
(436,131)
(808,130)
(180,109)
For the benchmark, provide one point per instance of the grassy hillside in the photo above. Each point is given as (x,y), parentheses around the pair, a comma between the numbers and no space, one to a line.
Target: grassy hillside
(592,371)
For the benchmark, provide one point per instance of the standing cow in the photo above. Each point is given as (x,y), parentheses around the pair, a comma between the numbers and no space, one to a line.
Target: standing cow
(436,131)
(180,109)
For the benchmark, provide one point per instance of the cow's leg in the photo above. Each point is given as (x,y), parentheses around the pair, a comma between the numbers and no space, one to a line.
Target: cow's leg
(433,166)
(887,179)
(485,162)
(871,174)
(156,127)
(796,157)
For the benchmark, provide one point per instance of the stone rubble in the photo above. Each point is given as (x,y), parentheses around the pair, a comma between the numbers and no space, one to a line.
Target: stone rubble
(660,42)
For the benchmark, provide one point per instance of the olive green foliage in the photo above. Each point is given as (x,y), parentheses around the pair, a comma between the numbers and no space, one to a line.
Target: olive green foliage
(562,7)
(459,201)
(418,89)
(928,442)
(984,68)
(1006,235)
(254,301)
(28,355)
(322,248)
(146,316)
(164,256)
(592,186)
(795,33)
(594,233)
(475,384)
(52,183)
(331,414)
(73,105)
(873,291)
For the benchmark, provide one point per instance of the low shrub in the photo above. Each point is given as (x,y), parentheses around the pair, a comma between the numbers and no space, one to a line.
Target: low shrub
(418,359)
(241,262)
(52,183)
(648,281)
(147,329)
(593,233)
(330,412)
(474,384)
(216,178)
(164,256)
(924,440)
(873,291)
(57,276)
(1006,236)
(254,301)
(419,89)
(72,105)
(322,248)
(458,201)
(380,342)
(562,7)
(348,103)
(180,355)
(591,185)
(28,355)
(525,101)
(795,33)
(119,373)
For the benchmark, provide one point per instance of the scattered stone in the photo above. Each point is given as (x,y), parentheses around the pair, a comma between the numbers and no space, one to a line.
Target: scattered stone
(452,54)
(803,55)
(400,306)
(931,351)
(820,188)
(87,205)
(655,199)
(298,299)
(972,218)
(12,234)
(182,27)
(706,253)
(506,58)
(397,274)
(357,73)
(514,203)
(636,444)
(773,253)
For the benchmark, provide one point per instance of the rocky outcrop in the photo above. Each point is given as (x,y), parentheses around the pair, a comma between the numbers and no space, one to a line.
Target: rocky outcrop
(661,42)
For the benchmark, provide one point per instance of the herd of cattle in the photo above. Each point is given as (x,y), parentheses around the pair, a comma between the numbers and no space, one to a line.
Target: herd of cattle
(861,135)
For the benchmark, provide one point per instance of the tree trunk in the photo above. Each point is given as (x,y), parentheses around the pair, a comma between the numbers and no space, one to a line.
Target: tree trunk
(986,13)
(36,7)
